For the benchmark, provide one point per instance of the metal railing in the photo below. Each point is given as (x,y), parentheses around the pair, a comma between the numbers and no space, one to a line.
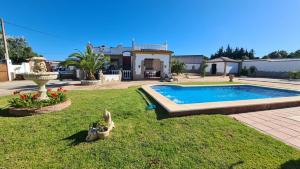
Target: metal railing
(114,72)
(126,74)
(150,46)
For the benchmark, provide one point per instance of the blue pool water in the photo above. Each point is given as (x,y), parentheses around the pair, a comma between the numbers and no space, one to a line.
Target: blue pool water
(202,94)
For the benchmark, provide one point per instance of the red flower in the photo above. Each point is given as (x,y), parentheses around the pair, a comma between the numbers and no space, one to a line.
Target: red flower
(24,96)
(36,95)
(54,94)
(60,89)
(49,90)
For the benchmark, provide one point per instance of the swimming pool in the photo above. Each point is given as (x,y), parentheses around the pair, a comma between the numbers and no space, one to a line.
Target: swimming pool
(204,94)
(181,100)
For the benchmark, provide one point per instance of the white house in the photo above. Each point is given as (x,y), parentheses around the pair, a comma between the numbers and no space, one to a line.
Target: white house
(140,61)
(222,66)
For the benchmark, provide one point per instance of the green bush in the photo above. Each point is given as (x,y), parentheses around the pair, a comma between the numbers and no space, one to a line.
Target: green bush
(252,70)
(29,100)
(177,67)
(294,75)
(244,71)
(203,66)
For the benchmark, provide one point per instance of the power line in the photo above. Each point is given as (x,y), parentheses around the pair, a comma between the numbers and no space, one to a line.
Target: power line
(38,31)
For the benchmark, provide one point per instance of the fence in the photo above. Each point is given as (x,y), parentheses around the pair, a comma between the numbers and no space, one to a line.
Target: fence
(3,72)
(126,74)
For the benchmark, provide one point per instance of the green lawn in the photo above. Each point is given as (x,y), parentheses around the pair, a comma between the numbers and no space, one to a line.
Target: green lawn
(141,139)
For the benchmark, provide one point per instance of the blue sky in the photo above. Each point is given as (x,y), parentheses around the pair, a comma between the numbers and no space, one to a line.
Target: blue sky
(189,26)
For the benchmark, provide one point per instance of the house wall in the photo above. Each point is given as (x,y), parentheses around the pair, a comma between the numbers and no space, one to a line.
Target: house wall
(19,69)
(192,67)
(192,62)
(273,68)
(231,68)
(139,58)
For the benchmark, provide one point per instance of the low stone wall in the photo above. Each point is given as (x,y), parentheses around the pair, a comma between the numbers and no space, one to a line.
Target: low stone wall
(110,78)
(89,82)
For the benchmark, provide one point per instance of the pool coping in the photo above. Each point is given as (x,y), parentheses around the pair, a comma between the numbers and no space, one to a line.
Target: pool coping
(224,107)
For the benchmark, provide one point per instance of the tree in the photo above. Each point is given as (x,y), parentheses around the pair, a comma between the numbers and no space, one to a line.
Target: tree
(295,54)
(237,53)
(88,61)
(18,49)
(177,67)
(280,54)
(203,66)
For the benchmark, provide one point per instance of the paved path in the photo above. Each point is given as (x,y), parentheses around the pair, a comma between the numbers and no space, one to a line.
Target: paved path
(282,81)
(279,83)
(283,124)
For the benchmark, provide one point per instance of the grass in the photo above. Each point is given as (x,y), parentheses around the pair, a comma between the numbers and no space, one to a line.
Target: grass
(141,139)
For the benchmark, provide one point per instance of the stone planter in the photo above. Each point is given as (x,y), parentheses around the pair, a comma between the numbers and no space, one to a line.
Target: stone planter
(231,78)
(33,111)
(103,135)
(89,82)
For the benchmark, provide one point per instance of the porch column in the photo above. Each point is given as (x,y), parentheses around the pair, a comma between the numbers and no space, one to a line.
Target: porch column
(225,66)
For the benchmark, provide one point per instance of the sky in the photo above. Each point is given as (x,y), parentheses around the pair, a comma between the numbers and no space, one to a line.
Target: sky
(55,28)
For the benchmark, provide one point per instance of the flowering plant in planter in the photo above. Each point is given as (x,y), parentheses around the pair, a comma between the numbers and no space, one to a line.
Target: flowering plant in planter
(30,100)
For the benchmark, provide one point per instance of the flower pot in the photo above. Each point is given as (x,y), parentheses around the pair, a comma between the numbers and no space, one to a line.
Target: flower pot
(231,78)
(103,135)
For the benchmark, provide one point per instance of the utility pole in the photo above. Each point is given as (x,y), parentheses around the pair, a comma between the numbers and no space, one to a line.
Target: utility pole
(5,49)
(4,40)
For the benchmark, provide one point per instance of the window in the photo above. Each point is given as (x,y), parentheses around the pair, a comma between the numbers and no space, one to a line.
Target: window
(148,64)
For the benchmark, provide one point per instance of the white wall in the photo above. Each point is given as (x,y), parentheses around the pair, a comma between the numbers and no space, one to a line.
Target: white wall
(18,69)
(231,67)
(190,66)
(109,78)
(162,57)
(274,65)
(220,67)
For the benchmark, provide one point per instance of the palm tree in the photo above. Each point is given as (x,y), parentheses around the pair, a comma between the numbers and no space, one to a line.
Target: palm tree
(88,61)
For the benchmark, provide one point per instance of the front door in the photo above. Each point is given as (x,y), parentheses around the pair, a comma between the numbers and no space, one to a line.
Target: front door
(214,69)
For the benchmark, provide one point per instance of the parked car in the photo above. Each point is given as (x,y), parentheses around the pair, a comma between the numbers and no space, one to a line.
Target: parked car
(65,73)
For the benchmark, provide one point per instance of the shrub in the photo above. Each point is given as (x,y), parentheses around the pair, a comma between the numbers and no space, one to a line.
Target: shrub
(252,70)
(298,75)
(29,100)
(294,75)
(177,67)
(244,71)
(203,66)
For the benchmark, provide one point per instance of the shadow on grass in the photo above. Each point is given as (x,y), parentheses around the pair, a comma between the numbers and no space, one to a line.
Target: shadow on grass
(161,113)
(291,164)
(4,113)
(232,166)
(77,138)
